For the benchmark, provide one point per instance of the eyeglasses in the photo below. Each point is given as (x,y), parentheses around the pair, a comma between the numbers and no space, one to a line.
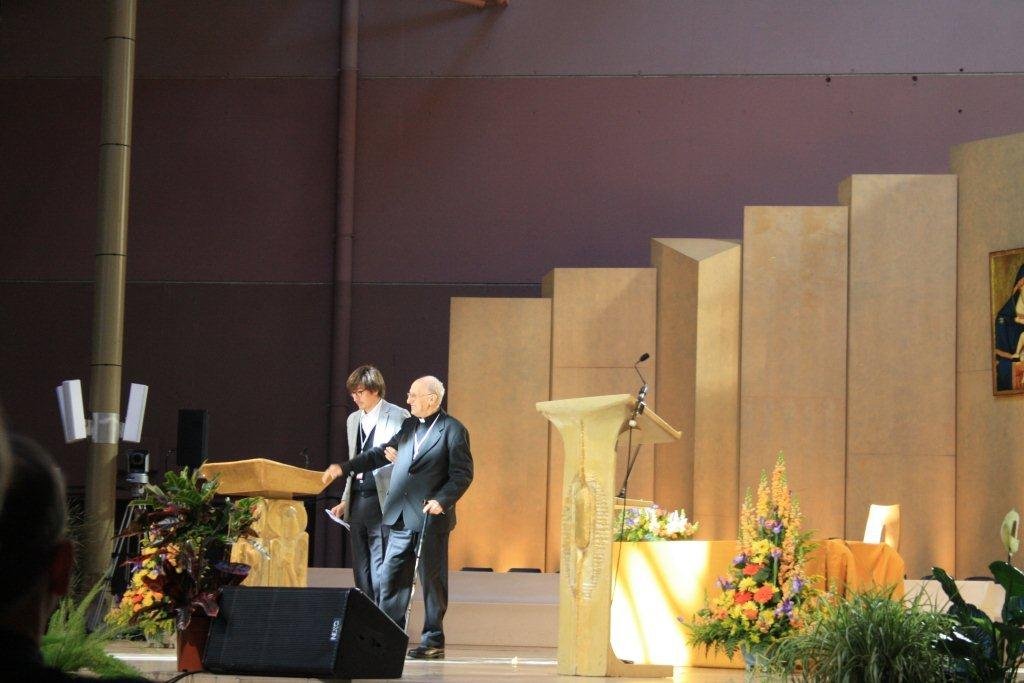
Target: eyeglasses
(411,396)
(359,392)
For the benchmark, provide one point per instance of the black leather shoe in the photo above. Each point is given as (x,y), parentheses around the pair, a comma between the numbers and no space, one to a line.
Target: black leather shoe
(426,652)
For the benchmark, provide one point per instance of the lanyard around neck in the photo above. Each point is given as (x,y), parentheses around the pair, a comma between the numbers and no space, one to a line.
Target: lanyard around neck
(418,443)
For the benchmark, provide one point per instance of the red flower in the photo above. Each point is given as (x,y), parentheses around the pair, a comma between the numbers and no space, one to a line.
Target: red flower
(743,596)
(764,594)
(751,569)
(750,613)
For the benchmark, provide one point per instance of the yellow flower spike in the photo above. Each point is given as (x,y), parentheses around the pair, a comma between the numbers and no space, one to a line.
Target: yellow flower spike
(763,496)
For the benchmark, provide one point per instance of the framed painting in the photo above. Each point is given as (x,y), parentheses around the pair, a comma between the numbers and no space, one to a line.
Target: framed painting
(1006,278)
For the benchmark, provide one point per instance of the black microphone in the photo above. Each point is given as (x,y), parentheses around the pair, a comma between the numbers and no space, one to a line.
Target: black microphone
(305,457)
(642,394)
(640,360)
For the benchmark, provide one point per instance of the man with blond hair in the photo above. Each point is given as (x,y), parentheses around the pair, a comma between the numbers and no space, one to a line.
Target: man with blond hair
(433,467)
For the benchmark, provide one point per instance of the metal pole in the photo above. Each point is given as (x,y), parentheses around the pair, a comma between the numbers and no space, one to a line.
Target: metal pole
(108,299)
(328,546)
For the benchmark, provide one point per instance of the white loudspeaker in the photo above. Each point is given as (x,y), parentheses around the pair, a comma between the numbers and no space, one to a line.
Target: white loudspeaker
(135,413)
(72,410)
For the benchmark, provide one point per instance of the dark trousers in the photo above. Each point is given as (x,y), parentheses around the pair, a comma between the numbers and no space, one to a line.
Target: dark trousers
(399,564)
(369,539)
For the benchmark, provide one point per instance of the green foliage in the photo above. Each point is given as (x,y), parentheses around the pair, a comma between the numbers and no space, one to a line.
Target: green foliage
(186,540)
(983,650)
(867,638)
(183,511)
(69,646)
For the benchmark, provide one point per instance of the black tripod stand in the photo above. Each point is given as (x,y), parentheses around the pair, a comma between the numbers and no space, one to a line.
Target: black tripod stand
(118,575)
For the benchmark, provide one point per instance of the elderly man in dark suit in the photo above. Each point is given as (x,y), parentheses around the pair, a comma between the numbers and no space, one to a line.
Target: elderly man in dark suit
(433,467)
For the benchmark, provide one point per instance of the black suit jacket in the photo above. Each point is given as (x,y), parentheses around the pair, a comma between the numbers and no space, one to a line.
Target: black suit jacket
(442,472)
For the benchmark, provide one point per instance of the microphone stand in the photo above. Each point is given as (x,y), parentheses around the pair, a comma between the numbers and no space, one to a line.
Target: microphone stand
(631,456)
(638,409)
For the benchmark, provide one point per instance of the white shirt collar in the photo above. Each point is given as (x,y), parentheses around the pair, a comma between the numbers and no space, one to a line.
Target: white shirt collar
(369,420)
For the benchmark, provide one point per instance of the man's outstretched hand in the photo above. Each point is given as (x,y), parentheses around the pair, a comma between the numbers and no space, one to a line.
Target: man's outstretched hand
(331,473)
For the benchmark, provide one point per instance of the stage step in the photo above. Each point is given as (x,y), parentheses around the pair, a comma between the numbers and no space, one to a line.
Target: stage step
(484,608)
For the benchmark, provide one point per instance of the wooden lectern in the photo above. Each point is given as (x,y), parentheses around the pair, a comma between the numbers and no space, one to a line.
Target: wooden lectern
(281,521)
(590,428)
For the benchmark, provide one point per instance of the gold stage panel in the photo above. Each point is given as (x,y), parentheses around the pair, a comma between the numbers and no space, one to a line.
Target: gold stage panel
(901,398)
(793,354)
(698,379)
(602,320)
(498,367)
(989,438)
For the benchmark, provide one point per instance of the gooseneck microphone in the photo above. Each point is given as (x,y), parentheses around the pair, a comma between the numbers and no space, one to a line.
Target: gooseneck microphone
(638,409)
(642,394)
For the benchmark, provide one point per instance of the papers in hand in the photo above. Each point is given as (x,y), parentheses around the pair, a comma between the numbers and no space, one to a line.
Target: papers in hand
(336,519)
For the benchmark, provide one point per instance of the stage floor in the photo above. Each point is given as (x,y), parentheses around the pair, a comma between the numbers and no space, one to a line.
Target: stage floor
(463,664)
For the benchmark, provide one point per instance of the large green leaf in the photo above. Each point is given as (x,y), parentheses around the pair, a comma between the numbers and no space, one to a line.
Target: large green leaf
(948,586)
(1013,610)
(1009,577)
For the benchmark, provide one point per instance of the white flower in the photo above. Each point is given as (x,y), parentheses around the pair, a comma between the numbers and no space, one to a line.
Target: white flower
(1008,532)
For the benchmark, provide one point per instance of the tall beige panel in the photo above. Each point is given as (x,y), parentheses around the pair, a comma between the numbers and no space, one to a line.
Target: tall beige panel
(602,320)
(499,362)
(698,379)
(989,430)
(901,369)
(793,355)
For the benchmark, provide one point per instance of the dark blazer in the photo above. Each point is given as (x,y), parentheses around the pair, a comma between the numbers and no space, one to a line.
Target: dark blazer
(442,472)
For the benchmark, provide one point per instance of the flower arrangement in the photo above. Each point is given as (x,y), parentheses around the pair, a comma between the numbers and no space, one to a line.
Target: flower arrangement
(185,543)
(653,524)
(145,604)
(765,595)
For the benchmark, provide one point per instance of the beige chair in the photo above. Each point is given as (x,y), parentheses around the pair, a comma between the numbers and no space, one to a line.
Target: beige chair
(883,525)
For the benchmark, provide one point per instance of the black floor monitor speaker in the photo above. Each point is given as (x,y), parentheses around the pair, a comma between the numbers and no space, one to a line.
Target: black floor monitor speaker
(193,431)
(311,632)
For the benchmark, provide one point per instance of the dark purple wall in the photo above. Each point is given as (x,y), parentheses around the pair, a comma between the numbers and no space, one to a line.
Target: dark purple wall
(232,214)
(424,38)
(583,171)
(492,146)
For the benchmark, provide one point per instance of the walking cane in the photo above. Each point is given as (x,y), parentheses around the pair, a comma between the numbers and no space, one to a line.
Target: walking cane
(415,569)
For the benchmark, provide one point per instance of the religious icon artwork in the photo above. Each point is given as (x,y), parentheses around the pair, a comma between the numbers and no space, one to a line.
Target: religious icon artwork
(1006,275)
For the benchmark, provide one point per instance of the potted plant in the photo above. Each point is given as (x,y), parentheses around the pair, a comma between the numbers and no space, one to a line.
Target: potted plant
(653,524)
(868,637)
(185,539)
(765,593)
(982,649)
